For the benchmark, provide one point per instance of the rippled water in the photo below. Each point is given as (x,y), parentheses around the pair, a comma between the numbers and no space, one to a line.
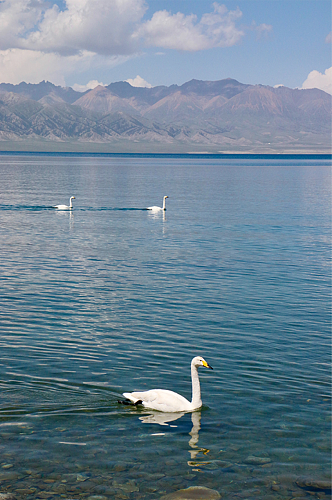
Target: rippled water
(111,298)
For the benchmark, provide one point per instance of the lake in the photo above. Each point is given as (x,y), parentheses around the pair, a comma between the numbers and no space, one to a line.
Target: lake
(111,298)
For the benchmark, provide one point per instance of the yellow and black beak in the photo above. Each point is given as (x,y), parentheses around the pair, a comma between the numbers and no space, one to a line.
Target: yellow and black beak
(207,365)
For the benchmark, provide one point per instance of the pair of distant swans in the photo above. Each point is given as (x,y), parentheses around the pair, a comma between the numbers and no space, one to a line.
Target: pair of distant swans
(169,401)
(70,206)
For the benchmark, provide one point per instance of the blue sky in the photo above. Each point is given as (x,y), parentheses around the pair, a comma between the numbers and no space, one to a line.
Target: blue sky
(81,43)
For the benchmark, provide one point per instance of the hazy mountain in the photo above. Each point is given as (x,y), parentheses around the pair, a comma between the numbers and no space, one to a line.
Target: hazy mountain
(221,115)
(103,101)
(42,89)
(227,88)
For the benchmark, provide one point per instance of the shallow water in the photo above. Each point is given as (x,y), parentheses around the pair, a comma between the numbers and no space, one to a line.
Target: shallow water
(111,298)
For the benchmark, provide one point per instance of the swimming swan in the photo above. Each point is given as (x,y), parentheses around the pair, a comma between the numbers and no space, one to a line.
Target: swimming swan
(156,209)
(169,401)
(66,207)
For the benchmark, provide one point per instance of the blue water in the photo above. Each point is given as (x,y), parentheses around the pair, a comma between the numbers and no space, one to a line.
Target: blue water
(111,298)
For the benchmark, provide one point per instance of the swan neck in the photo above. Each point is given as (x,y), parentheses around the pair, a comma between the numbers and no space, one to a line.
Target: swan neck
(196,388)
(164,204)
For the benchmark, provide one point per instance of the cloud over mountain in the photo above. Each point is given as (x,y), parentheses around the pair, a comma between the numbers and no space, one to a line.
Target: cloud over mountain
(139,82)
(319,80)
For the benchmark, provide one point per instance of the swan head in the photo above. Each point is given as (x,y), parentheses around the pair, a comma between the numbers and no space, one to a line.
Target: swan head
(165,197)
(72,197)
(199,361)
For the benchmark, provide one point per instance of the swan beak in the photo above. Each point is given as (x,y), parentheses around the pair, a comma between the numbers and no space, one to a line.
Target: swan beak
(207,365)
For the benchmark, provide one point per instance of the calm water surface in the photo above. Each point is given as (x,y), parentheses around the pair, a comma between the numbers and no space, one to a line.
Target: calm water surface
(111,298)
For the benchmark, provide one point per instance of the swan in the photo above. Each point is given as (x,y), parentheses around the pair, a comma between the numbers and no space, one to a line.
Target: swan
(66,207)
(156,209)
(169,401)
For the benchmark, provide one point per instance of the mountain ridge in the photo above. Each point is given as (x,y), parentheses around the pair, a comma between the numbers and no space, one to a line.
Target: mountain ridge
(220,115)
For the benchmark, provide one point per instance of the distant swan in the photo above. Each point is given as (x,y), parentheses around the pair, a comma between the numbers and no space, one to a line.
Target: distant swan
(66,207)
(169,401)
(156,209)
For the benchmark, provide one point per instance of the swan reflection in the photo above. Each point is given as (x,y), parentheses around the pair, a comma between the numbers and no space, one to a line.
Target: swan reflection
(69,214)
(71,220)
(64,213)
(157,215)
(194,433)
(161,418)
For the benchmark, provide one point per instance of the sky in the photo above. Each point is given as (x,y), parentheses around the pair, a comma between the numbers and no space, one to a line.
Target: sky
(85,43)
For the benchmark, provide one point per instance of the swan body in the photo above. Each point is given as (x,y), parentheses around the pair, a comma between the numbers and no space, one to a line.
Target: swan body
(169,401)
(66,207)
(157,209)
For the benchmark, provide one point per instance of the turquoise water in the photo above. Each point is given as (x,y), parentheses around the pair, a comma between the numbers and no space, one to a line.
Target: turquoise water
(111,298)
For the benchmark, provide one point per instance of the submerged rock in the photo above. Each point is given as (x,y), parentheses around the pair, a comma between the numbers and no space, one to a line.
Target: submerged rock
(257,460)
(314,484)
(128,487)
(193,493)
(7,496)
(82,477)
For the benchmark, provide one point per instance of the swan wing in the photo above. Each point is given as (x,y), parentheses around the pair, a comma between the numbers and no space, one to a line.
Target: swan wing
(160,399)
(154,208)
(61,207)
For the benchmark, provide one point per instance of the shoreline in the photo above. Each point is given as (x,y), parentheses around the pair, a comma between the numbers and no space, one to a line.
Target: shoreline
(235,155)
(140,149)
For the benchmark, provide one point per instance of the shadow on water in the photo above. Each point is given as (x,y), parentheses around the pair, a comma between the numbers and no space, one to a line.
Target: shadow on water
(110,209)
(40,208)
(23,208)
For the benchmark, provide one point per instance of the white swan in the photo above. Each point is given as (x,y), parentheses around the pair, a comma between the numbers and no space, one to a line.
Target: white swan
(169,401)
(156,209)
(66,207)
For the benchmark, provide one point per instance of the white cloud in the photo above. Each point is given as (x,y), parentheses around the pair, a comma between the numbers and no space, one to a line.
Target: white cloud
(262,30)
(17,17)
(41,41)
(114,27)
(328,38)
(139,82)
(31,66)
(92,84)
(319,80)
(100,26)
(180,32)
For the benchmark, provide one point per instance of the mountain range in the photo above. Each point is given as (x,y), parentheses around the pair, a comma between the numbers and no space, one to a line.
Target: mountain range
(218,116)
